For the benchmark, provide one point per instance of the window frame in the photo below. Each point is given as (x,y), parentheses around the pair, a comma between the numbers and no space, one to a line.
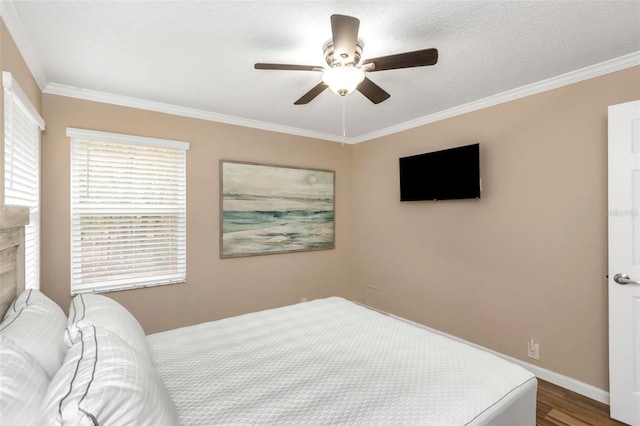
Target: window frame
(118,284)
(14,97)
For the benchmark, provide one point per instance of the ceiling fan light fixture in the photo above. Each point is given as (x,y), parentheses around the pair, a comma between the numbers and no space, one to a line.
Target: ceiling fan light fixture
(344,72)
(342,80)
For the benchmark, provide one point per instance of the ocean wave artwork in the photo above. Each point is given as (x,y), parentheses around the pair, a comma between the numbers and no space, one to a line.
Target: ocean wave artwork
(275,209)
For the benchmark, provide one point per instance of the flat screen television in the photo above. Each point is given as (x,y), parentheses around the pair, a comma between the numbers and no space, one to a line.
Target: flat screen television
(450,174)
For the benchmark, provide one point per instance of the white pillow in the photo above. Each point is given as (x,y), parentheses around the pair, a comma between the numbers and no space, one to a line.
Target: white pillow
(23,384)
(37,325)
(103,312)
(29,298)
(105,381)
(17,304)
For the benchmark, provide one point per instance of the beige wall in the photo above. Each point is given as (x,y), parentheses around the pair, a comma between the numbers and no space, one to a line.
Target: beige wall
(530,257)
(216,288)
(11,60)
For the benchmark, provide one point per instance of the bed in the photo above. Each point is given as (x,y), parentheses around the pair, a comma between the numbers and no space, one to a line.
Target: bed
(328,361)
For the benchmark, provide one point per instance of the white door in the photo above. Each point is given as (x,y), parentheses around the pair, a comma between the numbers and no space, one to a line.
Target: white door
(624,262)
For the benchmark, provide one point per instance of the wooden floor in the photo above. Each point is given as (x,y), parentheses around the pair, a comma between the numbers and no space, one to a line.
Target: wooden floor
(558,406)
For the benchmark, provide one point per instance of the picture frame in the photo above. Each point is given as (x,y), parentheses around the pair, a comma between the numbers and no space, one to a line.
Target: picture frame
(273,209)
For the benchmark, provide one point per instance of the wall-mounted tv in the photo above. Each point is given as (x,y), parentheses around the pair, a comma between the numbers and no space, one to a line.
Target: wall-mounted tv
(450,174)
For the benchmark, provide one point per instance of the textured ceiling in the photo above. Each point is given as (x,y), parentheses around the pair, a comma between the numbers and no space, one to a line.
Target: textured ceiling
(200,54)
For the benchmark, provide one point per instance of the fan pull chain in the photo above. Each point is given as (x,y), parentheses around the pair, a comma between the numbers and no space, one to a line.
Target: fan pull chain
(344,119)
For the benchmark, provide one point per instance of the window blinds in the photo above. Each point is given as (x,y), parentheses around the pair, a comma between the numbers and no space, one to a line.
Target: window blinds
(128,211)
(22,126)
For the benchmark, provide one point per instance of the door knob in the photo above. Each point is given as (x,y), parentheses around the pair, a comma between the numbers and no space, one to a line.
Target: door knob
(624,279)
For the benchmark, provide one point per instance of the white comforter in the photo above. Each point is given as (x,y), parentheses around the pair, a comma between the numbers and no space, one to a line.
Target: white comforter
(328,361)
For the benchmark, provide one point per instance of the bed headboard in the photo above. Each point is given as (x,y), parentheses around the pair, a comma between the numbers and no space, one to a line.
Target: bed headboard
(12,222)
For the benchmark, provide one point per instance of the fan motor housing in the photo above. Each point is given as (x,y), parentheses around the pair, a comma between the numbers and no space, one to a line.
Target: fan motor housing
(332,61)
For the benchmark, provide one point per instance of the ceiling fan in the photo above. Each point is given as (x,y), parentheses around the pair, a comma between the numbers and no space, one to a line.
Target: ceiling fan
(344,73)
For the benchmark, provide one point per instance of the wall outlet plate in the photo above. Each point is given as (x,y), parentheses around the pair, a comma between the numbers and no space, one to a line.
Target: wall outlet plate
(533,350)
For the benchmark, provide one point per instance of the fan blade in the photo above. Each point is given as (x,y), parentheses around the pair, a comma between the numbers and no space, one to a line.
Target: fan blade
(311,94)
(345,36)
(419,58)
(372,91)
(287,67)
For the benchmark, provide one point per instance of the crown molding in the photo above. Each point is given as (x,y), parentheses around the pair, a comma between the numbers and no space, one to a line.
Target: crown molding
(12,20)
(566,79)
(131,102)
(586,73)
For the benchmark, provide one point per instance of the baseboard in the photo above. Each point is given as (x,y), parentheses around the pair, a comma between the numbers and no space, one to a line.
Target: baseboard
(561,380)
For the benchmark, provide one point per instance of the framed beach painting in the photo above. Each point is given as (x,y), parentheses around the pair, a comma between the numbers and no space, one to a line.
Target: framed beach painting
(267,209)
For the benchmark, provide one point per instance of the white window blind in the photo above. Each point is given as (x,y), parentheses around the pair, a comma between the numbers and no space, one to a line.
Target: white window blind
(128,211)
(22,127)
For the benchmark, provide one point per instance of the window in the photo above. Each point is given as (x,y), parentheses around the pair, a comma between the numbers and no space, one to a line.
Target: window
(128,211)
(22,127)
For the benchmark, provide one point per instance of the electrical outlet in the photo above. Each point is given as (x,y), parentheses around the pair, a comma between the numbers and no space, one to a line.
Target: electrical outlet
(533,349)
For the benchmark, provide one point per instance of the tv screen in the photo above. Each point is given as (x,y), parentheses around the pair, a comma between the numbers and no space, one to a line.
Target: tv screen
(451,174)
